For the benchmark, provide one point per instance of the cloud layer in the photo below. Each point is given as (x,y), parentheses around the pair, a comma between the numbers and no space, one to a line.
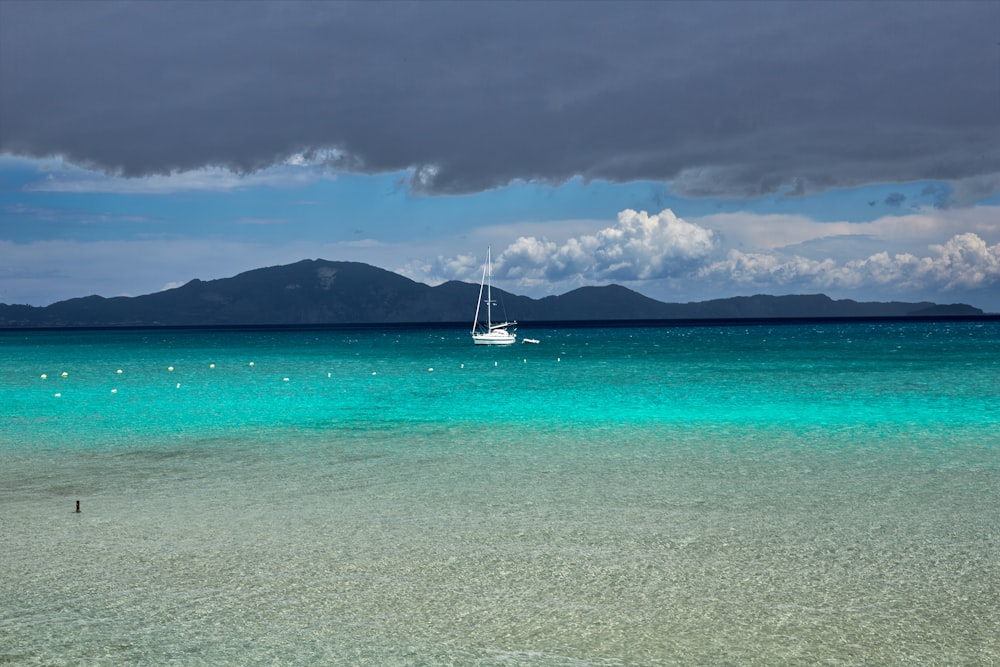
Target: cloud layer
(964,262)
(662,254)
(731,99)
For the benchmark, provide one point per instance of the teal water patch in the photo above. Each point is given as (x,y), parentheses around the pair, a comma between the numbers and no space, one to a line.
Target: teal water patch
(123,386)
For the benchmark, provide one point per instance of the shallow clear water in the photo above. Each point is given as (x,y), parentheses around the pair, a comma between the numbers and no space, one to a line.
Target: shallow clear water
(799,494)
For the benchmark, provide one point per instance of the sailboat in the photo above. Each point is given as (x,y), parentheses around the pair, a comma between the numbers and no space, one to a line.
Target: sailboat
(491,334)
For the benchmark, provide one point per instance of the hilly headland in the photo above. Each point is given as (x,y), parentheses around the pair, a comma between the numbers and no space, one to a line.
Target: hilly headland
(322,292)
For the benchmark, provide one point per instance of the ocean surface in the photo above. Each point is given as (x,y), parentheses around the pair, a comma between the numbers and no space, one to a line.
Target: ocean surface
(761,494)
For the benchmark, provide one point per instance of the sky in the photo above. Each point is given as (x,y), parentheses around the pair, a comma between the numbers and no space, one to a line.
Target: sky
(687,151)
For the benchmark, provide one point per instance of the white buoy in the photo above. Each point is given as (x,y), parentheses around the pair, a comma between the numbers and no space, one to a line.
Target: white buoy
(178,385)
(211,365)
(65,374)
(251,363)
(329,375)
(119,371)
(44,376)
(58,395)
(495,364)
(284,379)
(374,373)
(170,368)
(114,391)
(463,366)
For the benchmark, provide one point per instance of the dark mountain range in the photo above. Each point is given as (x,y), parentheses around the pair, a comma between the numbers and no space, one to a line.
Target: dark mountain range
(324,292)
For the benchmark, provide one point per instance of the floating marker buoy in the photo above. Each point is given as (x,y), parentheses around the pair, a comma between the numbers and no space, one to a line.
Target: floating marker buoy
(58,395)
(328,375)
(65,374)
(463,366)
(251,363)
(284,379)
(119,371)
(211,365)
(114,391)
(526,360)
(178,385)
(78,507)
(495,364)
(430,370)
(374,373)
(170,368)
(44,376)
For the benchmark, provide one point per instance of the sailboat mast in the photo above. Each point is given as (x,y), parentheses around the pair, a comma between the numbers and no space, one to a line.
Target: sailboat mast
(489,289)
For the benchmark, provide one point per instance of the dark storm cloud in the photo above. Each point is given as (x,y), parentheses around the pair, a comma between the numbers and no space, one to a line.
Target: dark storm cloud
(723,99)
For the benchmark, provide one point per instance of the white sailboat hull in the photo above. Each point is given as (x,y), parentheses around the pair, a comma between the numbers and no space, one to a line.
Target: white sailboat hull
(494,338)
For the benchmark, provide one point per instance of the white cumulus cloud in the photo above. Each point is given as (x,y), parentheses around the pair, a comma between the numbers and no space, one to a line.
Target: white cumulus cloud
(932,255)
(964,262)
(640,247)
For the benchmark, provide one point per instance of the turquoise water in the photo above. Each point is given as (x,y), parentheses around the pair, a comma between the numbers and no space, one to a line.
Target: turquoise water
(767,494)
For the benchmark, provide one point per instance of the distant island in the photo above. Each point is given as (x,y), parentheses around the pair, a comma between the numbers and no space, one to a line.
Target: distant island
(321,292)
